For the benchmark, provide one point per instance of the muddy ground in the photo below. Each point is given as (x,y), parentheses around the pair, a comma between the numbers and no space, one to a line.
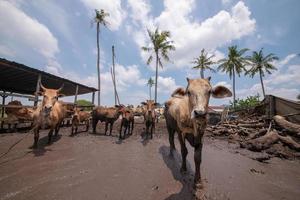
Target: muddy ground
(90,166)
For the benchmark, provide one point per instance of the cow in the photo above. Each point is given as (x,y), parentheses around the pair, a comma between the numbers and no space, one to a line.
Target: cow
(185,113)
(78,117)
(107,115)
(19,112)
(127,122)
(50,113)
(149,116)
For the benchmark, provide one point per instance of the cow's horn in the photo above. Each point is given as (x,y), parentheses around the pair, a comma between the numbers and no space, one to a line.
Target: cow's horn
(62,86)
(42,87)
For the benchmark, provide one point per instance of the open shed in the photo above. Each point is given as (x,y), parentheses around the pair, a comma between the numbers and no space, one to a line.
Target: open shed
(19,80)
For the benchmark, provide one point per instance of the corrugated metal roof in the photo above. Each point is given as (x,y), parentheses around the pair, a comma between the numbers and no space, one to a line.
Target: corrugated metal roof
(19,78)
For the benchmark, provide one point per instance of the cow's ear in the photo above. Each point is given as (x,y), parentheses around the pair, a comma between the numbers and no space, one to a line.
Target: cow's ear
(143,103)
(60,95)
(221,92)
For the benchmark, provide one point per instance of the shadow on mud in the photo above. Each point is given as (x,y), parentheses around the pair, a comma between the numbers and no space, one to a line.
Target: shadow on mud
(43,142)
(186,179)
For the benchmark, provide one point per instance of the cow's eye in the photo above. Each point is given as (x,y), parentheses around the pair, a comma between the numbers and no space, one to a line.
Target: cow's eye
(189,93)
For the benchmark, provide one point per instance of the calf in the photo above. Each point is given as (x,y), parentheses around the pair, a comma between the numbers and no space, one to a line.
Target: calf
(107,115)
(78,117)
(127,122)
(185,113)
(49,114)
(20,113)
(149,116)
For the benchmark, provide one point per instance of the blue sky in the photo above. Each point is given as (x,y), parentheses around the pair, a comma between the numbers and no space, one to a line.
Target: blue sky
(57,36)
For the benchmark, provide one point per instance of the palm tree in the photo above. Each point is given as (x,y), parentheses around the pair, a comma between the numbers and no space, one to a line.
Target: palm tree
(160,47)
(203,62)
(233,64)
(150,83)
(99,19)
(261,64)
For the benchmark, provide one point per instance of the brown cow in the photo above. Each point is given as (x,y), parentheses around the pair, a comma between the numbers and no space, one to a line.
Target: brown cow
(78,117)
(185,113)
(49,114)
(127,122)
(18,112)
(149,116)
(107,115)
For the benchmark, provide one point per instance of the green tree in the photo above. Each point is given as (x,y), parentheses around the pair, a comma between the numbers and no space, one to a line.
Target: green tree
(160,47)
(83,102)
(233,64)
(203,62)
(150,83)
(248,102)
(99,19)
(261,64)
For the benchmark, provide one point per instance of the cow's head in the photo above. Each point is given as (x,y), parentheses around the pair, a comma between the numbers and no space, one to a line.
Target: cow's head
(120,108)
(199,92)
(149,106)
(50,97)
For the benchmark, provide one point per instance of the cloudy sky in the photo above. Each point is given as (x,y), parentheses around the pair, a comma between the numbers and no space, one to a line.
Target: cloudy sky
(57,36)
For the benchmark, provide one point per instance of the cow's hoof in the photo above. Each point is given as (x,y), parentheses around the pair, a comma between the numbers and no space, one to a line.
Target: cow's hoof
(183,170)
(198,185)
(33,147)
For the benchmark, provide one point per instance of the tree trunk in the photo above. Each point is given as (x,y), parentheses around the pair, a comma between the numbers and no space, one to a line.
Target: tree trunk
(156,76)
(291,127)
(98,64)
(233,87)
(202,73)
(262,83)
(150,92)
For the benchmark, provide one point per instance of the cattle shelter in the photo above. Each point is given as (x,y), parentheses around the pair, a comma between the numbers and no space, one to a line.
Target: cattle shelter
(18,80)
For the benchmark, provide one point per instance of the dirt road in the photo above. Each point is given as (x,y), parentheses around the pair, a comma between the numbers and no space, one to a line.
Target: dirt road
(91,166)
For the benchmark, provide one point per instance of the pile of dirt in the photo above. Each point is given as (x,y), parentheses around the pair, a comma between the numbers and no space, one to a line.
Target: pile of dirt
(277,137)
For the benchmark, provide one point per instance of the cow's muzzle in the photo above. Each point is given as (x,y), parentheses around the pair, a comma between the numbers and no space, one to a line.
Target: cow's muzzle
(199,113)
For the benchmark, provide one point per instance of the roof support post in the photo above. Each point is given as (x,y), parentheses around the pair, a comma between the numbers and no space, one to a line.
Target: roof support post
(37,90)
(76,93)
(93,98)
(3,108)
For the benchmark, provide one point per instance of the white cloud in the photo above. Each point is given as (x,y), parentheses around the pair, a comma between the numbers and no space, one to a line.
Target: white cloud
(57,16)
(226,1)
(24,30)
(284,61)
(191,36)
(117,14)
(6,51)
(166,85)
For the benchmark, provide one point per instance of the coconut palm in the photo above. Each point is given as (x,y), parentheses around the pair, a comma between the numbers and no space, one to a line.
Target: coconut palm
(203,62)
(233,64)
(150,83)
(160,47)
(99,19)
(261,64)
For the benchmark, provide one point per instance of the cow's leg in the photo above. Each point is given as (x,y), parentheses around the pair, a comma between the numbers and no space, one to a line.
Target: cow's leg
(132,126)
(120,133)
(72,130)
(50,135)
(147,130)
(87,125)
(94,124)
(111,127)
(198,158)
(76,128)
(128,132)
(125,130)
(184,152)
(106,127)
(57,127)
(171,132)
(152,128)
(36,137)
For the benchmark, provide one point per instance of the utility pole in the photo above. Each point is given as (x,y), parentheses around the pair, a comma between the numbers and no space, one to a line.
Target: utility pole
(113,74)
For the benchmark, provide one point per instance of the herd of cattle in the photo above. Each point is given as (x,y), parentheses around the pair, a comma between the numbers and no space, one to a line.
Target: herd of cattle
(185,113)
